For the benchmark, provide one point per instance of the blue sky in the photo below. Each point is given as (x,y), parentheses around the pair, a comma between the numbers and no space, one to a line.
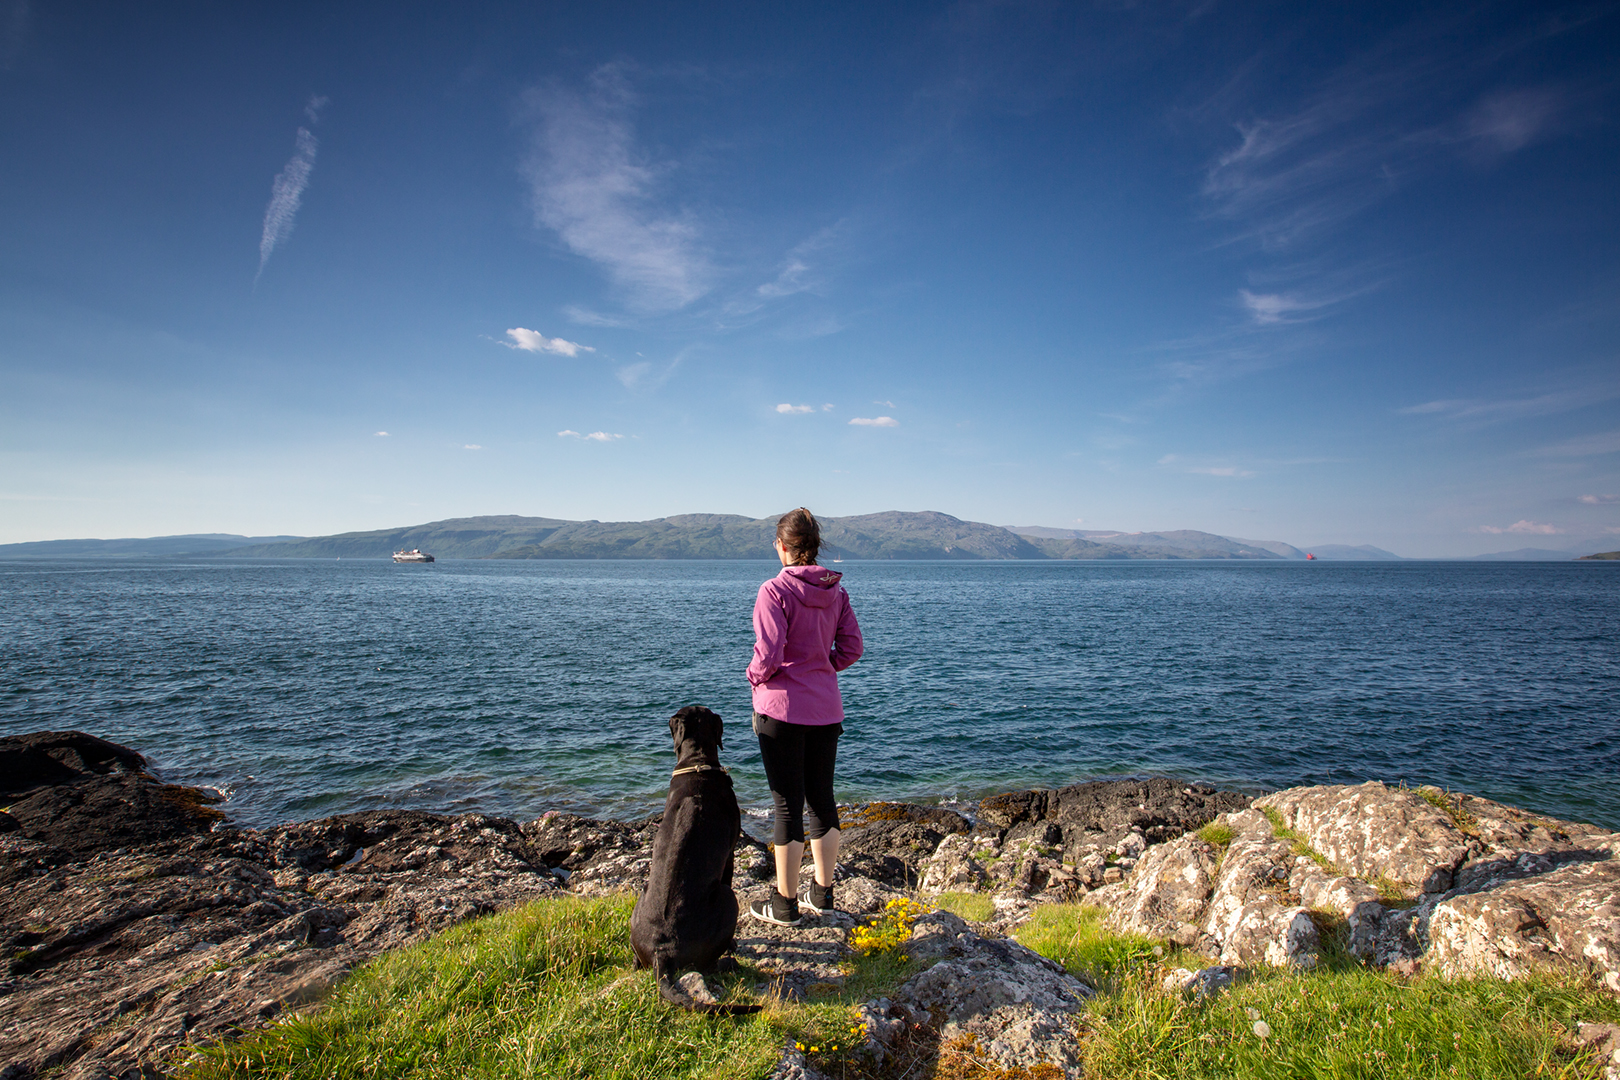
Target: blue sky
(1312,273)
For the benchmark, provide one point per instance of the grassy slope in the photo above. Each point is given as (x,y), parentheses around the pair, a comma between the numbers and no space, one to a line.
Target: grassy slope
(542,991)
(1339,1022)
(546,991)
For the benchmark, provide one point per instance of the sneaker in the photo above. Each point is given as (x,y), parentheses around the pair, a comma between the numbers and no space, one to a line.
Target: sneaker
(817,898)
(780,910)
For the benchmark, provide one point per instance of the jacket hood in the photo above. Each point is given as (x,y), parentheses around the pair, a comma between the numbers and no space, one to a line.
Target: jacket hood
(816,586)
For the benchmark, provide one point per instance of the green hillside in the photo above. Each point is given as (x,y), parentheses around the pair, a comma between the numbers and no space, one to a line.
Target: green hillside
(893,534)
(454,538)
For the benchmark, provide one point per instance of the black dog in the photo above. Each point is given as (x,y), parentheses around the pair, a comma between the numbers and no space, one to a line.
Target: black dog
(687,918)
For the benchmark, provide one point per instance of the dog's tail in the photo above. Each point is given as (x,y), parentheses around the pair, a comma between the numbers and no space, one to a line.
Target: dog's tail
(691,992)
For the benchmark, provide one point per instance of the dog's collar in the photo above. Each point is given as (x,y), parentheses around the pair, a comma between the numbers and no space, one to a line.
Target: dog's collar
(698,768)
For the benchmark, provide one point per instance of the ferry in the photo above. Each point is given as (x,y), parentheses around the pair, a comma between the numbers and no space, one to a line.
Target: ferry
(413,555)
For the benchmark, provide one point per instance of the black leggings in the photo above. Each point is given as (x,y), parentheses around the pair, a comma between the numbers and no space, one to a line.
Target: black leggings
(799,767)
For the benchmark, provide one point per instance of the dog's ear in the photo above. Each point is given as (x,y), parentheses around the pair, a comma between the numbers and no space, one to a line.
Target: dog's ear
(698,723)
(712,726)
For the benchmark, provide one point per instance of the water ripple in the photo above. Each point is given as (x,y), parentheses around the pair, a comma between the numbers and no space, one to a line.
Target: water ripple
(306,688)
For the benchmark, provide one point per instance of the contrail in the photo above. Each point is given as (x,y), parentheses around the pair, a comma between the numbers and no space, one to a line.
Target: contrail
(287,193)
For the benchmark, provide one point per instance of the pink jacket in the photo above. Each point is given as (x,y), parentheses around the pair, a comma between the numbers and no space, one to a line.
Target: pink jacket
(804,634)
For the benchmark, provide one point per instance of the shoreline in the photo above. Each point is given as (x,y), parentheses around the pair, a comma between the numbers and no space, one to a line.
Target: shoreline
(139,920)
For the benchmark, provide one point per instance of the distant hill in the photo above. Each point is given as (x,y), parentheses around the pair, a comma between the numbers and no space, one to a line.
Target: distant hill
(190,544)
(722,536)
(1602,555)
(890,535)
(1176,544)
(1559,549)
(454,538)
(1525,555)
(1358,553)
(1276,547)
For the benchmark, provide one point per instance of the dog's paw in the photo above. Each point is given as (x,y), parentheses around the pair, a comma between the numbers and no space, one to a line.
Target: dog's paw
(697,990)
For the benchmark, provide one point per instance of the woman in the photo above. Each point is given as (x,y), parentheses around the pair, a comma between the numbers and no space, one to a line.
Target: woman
(804,634)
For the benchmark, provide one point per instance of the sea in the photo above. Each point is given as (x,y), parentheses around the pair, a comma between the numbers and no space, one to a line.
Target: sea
(298,689)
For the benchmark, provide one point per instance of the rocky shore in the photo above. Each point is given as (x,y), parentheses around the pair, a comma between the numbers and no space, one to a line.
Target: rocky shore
(138,920)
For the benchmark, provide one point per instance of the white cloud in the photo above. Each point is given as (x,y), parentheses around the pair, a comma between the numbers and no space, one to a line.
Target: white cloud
(1533,527)
(595,436)
(287,191)
(1512,120)
(885,404)
(827,407)
(644,375)
(1596,500)
(1271,308)
(1357,137)
(795,410)
(797,273)
(788,282)
(876,421)
(586,317)
(379,434)
(596,190)
(631,375)
(1490,409)
(536,342)
(472,446)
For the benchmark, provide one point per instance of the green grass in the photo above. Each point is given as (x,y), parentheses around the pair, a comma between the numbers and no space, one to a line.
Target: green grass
(1444,802)
(1074,936)
(1347,1024)
(972,906)
(1216,834)
(1340,1022)
(545,990)
(1301,846)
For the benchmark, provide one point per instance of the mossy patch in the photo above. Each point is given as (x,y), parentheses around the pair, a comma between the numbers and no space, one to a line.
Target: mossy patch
(1448,804)
(1298,843)
(871,813)
(972,906)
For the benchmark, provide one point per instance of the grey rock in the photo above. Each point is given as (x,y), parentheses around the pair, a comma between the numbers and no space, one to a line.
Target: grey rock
(1204,984)
(796,960)
(882,1029)
(122,957)
(889,842)
(1490,889)
(1371,829)
(1159,808)
(1017,1005)
(793,1066)
(1603,1041)
(1569,914)
(953,867)
(1168,895)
